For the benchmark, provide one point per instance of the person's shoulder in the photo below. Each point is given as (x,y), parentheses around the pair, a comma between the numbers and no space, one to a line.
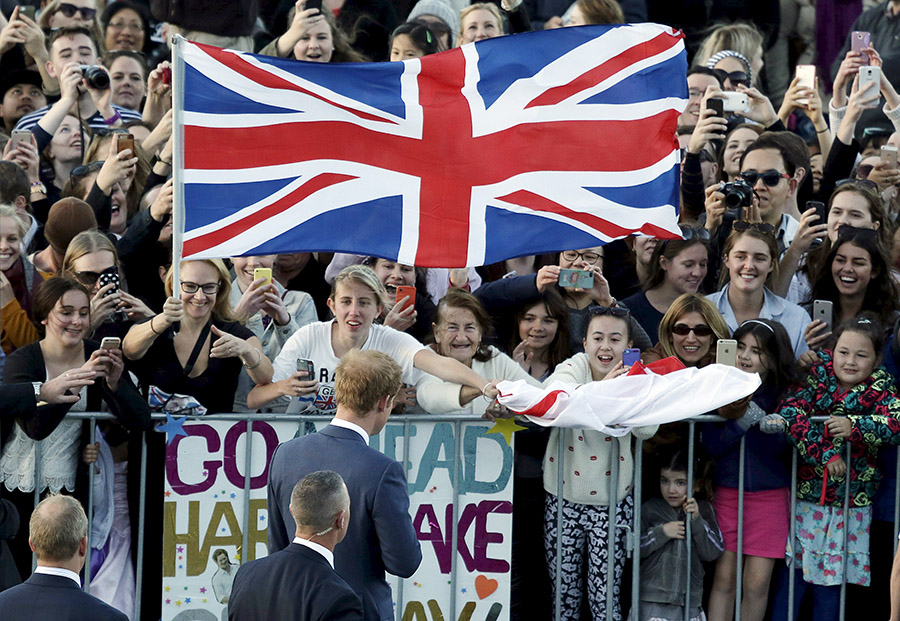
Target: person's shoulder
(128,114)
(30,120)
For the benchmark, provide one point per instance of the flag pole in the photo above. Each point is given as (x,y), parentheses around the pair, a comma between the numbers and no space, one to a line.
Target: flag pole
(177,162)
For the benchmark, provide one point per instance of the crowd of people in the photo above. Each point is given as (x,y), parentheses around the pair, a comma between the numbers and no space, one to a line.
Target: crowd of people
(788,213)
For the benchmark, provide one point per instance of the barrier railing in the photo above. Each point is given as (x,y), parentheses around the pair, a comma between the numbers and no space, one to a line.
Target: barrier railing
(632,531)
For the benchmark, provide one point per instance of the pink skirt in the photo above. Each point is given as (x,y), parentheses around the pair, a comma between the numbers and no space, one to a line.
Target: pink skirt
(766,520)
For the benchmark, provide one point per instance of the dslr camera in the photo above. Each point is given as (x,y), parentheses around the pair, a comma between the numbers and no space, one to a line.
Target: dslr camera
(95,76)
(738,194)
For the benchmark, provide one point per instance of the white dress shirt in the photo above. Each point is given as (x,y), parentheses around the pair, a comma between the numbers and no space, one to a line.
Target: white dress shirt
(59,571)
(346,424)
(312,545)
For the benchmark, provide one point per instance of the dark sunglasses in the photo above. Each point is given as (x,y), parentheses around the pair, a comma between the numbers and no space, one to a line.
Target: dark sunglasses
(859,183)
(701,330)
(81,171)
(88,279)
(771,177)
(735,77)
(69,10)
(863,170)
(762,227)
(615,311)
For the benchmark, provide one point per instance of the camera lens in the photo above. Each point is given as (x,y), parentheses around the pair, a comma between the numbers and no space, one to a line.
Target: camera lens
(95,76)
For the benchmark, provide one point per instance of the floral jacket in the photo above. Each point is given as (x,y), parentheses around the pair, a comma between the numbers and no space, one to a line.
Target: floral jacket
(874,410)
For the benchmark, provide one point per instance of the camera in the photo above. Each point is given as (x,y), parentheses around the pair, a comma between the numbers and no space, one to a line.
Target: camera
(95,76)
(738,193)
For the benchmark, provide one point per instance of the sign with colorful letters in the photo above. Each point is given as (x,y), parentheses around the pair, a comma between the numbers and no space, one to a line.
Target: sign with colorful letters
(205,515)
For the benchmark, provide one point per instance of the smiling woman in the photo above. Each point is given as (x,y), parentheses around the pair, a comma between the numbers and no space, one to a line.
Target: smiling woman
(127,80)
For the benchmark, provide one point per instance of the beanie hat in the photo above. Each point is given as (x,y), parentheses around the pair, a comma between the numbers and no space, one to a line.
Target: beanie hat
(68,217)
(441,10)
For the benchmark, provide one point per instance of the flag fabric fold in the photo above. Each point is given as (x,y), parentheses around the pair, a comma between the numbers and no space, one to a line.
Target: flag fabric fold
(506,147)
(615,406)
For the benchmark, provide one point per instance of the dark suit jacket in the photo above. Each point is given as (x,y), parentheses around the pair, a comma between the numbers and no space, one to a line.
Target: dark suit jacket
(380,536)
(296,583)
(55,598)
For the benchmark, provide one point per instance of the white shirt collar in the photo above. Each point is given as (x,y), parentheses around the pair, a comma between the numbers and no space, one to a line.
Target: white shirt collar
(59,571)
(346,424)
(312,545)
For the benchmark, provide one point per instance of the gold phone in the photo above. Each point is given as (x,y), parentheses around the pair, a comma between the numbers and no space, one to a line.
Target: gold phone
(263,272)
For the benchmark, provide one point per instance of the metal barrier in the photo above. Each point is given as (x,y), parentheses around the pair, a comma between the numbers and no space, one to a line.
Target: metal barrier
(632,531)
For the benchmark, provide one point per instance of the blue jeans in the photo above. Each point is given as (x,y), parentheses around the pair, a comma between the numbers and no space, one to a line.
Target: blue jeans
(826,599)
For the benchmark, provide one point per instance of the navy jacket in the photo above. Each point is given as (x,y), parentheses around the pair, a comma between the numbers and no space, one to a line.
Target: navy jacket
(57,598)
(380,536)
(295,583)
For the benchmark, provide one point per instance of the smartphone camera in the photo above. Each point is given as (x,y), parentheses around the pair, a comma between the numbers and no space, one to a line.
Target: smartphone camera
(95,76)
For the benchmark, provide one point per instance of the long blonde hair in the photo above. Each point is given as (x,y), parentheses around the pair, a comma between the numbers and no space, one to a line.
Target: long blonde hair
(741,37)
(84,243)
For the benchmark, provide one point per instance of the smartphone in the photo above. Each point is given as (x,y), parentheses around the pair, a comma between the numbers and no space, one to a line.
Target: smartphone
(859,40)
(313,4)
(306,365)
(263,272)
(630,356)
(822,310)
(27,10)
(715,105)
(125,141)
(889,156)
(806,78)
(732,101)
(726,352)
(20,135)
(166,75)
(110,275)
(868,75)
(576,279)
(405,291)
(819,206)
(111,342)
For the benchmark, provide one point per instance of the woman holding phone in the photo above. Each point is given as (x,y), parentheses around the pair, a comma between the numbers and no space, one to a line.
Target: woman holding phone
(61,308)
(314,36)
(357,298)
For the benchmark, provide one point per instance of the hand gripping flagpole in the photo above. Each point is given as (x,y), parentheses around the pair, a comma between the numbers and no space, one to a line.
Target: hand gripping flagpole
(177,164)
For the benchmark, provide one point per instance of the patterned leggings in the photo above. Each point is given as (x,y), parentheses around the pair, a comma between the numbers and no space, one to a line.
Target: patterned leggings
(584,531)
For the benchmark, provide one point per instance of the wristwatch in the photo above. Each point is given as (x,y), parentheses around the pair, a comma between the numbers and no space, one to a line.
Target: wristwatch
(37,390)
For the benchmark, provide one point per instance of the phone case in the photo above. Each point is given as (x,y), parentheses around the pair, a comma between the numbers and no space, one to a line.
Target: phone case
(726,352)
(630,356)
(404,291)
(870,74)
(263,272)
(859,40)
(889,155)
(307,365)
(110,277)
(822,310)
(124,141)
(806,78)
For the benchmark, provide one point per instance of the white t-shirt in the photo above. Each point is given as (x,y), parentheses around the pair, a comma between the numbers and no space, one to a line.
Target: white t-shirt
(313,342)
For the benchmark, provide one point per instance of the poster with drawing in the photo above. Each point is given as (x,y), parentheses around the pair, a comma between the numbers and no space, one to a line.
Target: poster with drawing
(206,515)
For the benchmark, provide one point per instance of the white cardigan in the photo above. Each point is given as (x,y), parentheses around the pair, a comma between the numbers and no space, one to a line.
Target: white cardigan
(586,474)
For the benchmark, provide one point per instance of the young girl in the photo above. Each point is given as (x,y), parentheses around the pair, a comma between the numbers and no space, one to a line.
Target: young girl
(764,348)
(860,397)
(663,548)
(413,40)
(588,489)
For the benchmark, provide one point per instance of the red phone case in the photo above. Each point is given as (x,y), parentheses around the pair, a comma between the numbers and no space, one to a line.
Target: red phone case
(406,291)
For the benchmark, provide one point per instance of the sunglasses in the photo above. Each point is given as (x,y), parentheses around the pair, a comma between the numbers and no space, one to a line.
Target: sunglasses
(865,184)
(614,311)
(88,279)
(81,171)
(771,177)
(863,170)
(735,77)
(762,227)
(69,10)
(700,330)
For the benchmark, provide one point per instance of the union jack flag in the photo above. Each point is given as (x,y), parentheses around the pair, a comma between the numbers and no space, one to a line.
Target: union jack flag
(507,147)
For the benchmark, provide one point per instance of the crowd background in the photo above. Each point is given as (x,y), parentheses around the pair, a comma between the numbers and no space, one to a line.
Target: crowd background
(788,212)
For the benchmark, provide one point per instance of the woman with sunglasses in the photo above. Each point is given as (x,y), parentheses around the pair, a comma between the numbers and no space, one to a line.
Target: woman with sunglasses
(63,13)
(857,278)
(751,256)
(205,357)
(678,266)
(90,255)
(61,309)
(688,331)
(740,51)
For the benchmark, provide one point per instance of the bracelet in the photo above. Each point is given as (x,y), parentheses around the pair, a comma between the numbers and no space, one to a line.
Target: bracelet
(151,327)
(822,131)
(258,361)
(162,161)
(38,188)
(115,117)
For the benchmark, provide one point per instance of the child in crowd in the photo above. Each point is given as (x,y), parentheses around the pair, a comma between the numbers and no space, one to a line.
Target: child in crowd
(664,529)
(860,397)
(413,40)
(763,347)
(590,493)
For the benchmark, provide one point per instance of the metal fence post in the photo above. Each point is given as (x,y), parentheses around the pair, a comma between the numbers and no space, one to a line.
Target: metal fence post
(846,528)
(739,576)
(38,475)
(560,456)
(90,509)
(405,455)
(611,526)
(142,512)
(687,518)
(457,448)
(245,527)
(636,526)
(793,560)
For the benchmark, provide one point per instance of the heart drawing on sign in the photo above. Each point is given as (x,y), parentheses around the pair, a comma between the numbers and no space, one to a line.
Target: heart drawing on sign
(485,586)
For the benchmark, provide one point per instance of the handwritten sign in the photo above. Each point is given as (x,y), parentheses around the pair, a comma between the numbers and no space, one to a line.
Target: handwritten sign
(205,515)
